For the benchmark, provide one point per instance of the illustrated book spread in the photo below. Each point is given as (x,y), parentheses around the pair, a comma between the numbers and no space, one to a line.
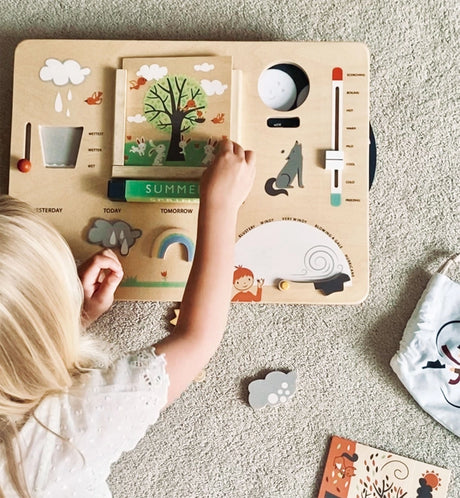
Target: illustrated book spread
(354,470)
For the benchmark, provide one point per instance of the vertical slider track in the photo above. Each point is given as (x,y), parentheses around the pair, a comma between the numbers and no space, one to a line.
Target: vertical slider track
(336,119)
(334,157)
(27,141)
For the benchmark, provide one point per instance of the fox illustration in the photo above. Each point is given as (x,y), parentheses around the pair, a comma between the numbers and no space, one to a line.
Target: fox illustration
(290,170)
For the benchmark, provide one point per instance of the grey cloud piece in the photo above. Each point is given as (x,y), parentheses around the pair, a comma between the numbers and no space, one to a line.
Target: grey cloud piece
(277,388)
(112,234)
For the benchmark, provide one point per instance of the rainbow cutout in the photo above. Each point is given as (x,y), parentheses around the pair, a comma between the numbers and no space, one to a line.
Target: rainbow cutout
(173,237)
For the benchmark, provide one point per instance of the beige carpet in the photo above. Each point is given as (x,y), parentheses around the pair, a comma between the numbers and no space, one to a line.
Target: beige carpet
(210,443)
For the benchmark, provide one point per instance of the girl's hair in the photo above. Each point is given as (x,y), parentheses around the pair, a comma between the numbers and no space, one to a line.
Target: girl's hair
(41,342)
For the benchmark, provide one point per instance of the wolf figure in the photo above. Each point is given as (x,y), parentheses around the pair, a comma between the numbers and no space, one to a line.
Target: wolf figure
(290,170)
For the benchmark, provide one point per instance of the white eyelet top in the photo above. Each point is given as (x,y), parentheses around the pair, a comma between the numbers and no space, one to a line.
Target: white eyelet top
(105,413)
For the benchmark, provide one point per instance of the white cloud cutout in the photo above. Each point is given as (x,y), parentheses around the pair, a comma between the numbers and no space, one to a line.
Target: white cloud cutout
(206,67)
(138,118)
(62,73)
(152,72)
(214,87)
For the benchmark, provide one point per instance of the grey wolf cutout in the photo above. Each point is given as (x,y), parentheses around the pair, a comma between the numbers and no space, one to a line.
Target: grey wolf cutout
(291,169)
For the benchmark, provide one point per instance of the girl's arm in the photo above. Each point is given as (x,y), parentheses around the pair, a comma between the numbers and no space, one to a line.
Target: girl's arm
(203,315)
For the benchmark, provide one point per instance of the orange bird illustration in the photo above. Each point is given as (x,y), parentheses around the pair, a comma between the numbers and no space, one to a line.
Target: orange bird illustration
(219,118)
(95,99)
(189,105)
(135,84)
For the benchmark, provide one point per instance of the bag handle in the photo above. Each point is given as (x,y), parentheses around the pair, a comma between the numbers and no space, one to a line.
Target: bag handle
(444,268)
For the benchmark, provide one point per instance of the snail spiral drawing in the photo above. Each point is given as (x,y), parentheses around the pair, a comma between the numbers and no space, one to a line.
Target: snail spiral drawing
(321,262)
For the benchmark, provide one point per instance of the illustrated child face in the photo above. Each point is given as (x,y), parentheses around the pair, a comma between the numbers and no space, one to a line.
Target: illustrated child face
(244,283)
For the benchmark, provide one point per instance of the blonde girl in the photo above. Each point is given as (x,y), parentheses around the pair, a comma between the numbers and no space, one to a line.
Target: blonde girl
(66,411)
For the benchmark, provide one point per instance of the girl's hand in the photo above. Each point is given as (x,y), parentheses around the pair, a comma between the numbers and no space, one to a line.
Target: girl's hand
(228,181)
(100,276)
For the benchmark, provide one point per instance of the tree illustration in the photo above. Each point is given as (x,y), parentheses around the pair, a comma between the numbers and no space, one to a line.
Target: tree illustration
(175,105)
(381,485)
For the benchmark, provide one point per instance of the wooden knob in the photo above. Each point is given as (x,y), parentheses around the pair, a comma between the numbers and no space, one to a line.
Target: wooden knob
(284,285)
(24,165)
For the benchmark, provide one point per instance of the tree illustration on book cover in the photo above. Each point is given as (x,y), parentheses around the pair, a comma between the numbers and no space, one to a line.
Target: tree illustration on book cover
(354,470)
(177,109)
(175,104)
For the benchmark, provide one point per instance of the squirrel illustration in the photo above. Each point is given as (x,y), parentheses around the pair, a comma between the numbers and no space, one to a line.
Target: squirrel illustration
(343,466)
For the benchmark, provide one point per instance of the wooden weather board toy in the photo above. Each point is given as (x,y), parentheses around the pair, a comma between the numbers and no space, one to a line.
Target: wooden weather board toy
(109,140)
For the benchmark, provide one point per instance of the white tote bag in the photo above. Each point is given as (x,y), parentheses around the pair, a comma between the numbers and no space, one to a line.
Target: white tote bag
(428,360)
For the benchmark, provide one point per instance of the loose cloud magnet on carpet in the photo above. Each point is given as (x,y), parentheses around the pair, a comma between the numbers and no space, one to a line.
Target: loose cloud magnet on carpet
(276,388)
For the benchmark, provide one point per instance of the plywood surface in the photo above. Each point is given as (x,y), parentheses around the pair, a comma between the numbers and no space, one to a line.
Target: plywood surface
(297,236)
